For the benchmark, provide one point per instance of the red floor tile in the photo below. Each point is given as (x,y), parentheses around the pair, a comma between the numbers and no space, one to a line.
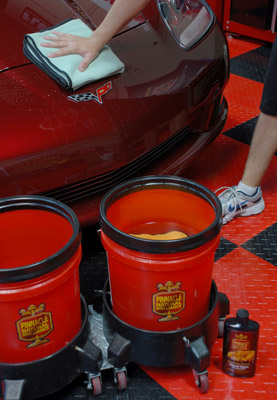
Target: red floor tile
(243,97)
(251,283)
(223,162)
(238,46)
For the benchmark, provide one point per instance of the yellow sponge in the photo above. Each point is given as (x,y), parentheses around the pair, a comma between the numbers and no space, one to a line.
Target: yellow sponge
(172,235)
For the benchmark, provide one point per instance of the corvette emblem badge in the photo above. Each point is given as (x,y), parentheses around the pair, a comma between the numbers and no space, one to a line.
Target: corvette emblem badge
(101,91)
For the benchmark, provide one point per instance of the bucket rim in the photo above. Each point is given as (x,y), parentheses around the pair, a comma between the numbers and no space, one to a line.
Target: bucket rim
(57,259)
(160,246)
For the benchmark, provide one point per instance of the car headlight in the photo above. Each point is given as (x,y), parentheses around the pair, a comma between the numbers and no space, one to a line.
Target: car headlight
(187,20)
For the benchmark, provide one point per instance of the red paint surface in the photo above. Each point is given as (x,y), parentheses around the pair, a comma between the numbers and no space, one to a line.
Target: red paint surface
(54,142)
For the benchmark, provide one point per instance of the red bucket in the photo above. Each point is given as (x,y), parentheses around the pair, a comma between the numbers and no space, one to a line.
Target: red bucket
(160,285)
(40,253)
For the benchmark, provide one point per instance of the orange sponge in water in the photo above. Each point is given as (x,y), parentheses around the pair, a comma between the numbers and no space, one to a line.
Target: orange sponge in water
(172,235)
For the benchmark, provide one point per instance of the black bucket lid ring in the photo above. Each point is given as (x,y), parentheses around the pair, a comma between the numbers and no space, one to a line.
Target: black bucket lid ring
(160,246)
(57,259)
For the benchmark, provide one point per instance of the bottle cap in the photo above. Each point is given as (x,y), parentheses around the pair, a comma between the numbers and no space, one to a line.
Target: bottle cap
(242,316)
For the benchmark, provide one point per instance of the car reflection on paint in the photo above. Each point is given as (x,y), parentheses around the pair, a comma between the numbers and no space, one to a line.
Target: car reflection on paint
(154,118)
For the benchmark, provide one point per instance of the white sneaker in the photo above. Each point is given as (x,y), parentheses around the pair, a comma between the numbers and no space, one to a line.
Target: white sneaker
(235,203)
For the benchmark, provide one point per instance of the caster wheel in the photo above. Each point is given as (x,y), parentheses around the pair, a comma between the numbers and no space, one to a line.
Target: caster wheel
(96,386)
(121,380)
(220,328)
(201,381)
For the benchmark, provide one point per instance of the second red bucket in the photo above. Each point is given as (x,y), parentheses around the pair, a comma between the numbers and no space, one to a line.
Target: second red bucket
(40,253)
(160,234)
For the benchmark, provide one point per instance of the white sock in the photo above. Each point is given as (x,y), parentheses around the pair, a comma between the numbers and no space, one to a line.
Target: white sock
(249,190)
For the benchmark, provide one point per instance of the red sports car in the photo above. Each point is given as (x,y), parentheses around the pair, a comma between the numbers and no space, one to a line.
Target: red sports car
(154,118)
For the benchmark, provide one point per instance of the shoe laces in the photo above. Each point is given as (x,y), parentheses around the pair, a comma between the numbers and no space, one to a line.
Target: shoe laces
(229,195)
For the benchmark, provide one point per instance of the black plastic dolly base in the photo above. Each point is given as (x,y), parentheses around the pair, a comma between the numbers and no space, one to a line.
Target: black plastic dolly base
(26,381)
(189,346)
(98,338)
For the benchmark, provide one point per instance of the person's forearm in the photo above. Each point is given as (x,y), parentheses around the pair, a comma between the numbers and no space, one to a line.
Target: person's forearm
(121,12)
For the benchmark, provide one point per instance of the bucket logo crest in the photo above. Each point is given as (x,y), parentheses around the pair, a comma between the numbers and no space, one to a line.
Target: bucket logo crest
(35,325)
(168,301)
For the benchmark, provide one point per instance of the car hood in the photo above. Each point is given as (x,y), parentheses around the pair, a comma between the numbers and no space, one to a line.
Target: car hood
(20,17)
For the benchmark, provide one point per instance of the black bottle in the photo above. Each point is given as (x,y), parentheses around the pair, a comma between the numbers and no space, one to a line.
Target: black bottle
(240,344)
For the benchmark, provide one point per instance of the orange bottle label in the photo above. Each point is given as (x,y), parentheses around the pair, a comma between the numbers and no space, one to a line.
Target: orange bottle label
(239,353)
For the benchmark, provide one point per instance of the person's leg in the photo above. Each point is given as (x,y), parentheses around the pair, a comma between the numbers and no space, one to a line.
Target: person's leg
(246,198)
(262,149)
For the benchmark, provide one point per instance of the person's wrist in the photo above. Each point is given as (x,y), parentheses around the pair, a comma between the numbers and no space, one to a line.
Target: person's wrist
(97,40)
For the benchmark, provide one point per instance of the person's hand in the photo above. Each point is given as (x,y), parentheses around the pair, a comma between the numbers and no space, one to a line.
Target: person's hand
(66,44)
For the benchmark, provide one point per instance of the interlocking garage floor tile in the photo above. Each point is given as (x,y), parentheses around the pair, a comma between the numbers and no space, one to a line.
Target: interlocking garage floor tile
(223,163)
(253,64)
(249,282)
(219,165)
(238,46)
(225,246)
(243,102)
(264,245)
(243,132)
(140,387)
